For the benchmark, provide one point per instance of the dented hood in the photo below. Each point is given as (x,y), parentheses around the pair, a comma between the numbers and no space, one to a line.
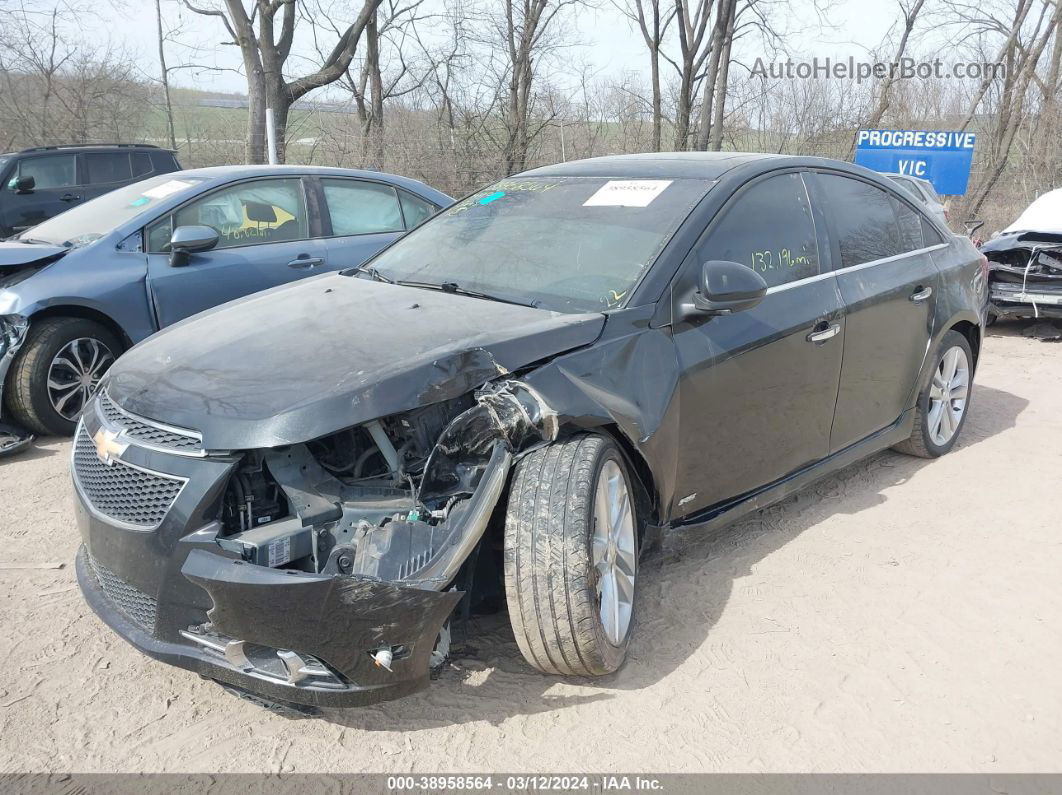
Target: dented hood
(14,254)
(298,362)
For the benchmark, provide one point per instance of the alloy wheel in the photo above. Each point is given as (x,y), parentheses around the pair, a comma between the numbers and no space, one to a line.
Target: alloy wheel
(615,554)
(74,374)
(948,394)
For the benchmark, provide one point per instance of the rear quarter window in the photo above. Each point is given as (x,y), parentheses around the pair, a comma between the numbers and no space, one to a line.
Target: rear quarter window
(164,162)
(104,167)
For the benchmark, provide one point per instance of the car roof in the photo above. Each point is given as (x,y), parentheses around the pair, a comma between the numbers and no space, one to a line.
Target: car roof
(37,150)
(219,174)
(694,165)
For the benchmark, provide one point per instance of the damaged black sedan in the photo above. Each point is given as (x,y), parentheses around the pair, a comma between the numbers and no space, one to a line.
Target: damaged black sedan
(299,493)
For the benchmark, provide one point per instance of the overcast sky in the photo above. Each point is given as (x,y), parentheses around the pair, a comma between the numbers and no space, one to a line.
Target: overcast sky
(611,46)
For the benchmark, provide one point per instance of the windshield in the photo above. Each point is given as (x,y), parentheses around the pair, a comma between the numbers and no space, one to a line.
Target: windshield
(570,244)
(87,222)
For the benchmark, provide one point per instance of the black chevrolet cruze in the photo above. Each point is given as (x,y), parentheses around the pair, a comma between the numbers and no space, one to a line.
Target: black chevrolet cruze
(299,492)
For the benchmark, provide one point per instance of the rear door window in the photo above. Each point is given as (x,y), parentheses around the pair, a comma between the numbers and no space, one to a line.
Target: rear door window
(767,227)
(362,208)
(50,171)
(103,167)
(863,219)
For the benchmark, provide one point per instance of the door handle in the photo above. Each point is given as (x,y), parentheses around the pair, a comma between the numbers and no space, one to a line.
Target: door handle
(823,334)
(305,262)
(922,294)
(69,197)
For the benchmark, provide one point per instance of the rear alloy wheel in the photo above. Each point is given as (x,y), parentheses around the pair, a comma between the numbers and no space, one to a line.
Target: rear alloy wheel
(571,557)
(942,404)
(57,371)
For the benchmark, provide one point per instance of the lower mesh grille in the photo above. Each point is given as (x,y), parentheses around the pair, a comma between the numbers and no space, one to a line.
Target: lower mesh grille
(122,492)
(131,602)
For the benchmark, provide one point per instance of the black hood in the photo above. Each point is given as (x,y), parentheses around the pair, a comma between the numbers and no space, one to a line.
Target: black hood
(299,362)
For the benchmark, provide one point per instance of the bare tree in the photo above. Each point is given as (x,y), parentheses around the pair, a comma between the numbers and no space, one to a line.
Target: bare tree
(265,35)
(691,18)
(165,75)
(653,22)
(711,88)
(909,10)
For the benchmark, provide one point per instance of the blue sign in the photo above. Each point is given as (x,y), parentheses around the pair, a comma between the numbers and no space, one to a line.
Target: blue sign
(943,158)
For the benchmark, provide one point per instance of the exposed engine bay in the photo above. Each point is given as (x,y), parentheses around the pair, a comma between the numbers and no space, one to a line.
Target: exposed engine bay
(402,499)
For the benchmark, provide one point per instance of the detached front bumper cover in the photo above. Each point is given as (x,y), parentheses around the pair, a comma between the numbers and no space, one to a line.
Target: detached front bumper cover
(291,617)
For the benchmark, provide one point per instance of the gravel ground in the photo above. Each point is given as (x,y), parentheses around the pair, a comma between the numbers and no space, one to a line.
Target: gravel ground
(903,615)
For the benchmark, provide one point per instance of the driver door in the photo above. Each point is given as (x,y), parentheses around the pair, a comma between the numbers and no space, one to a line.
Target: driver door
(759,386)
(264,240)
(55,190)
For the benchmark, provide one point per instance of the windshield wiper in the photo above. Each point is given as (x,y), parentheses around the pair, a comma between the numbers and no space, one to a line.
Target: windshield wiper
(372,273)
(454,287)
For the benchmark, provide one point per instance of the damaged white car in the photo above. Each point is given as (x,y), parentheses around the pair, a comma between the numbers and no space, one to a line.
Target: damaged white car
(1025,263)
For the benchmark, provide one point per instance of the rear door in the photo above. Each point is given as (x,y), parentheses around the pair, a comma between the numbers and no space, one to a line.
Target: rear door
(889,285)
(103,172)
(56,189)
(363,216)
(267,237)
(758,387)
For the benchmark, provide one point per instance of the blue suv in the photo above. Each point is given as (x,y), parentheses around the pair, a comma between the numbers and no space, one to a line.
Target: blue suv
(79,289)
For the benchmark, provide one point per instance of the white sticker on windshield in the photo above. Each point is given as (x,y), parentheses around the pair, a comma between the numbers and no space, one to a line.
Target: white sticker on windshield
(627,193)
(166,188)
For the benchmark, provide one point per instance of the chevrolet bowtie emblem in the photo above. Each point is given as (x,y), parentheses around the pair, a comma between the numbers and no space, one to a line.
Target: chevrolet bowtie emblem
(108,448)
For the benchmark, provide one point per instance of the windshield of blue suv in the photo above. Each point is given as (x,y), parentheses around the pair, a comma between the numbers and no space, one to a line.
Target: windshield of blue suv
(90,221)
(569,244)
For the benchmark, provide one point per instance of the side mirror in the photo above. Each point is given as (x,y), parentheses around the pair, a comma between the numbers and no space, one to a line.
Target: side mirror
(727,287)
(187,240)
(22,184)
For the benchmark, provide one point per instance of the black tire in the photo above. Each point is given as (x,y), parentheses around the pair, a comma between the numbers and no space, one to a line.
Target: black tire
(550,579)
(921,443)
(991,318)
(26,392)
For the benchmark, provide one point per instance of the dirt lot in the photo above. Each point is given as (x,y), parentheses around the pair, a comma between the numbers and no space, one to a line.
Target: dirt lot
(903,615)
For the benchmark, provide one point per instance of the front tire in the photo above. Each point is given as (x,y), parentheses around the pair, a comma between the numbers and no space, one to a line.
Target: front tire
(57,371)
(944,402)
(571,557)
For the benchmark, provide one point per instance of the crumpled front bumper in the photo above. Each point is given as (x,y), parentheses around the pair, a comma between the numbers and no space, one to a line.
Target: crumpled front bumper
(327,624)
(13,331)
(1034,299)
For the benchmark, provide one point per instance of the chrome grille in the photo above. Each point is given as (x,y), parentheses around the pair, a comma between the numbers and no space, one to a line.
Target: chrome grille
(131,602)
(122,492)
(148,433)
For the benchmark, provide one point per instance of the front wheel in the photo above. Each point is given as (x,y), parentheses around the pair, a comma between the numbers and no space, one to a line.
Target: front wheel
(57,371)
(571,557)
(943,403)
